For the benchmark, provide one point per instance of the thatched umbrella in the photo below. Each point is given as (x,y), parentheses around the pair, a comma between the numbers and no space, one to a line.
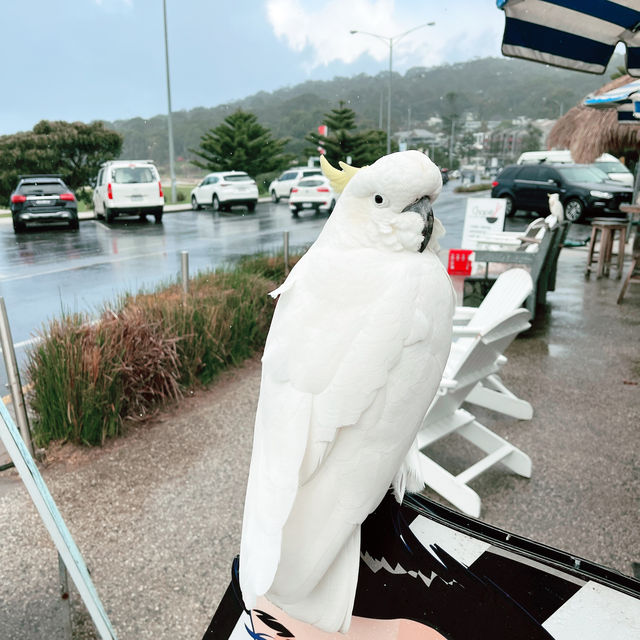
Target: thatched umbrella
(589,132)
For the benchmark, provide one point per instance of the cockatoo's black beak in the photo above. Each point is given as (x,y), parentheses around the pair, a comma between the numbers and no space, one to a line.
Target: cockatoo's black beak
(423,207)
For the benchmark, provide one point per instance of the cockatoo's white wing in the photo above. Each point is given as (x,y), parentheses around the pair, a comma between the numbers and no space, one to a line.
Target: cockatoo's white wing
(353,358)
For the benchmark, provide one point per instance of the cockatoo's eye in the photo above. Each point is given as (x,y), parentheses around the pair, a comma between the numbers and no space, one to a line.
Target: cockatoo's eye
(380,200)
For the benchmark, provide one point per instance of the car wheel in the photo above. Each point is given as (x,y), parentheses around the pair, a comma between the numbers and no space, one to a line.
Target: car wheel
(573,210)
(251,206)
(74,224)
(215,203)
(18,227)
(274,197)
(332,206)
(509,205)
(108,214)
(158,217)
(194,203)
(294,212)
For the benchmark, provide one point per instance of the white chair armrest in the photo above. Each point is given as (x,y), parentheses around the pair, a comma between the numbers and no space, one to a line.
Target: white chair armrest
(460,331)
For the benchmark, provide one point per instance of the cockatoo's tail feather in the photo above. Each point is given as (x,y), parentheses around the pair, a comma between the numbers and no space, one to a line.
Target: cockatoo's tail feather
(358,342)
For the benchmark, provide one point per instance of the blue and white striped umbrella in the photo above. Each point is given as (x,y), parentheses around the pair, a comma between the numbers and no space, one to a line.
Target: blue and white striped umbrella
(576,34)
(625,99)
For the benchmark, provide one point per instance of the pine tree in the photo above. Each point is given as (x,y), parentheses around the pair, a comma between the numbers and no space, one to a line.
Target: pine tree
(343,141)
(241,143)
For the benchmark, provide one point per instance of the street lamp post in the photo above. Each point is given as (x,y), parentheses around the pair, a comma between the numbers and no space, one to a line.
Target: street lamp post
(172,172)
(389,41)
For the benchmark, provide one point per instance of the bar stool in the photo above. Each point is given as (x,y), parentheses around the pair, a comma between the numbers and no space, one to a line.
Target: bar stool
(606,228)
(633,275)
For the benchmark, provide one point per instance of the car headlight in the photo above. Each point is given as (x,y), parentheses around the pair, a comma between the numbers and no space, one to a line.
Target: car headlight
(601,194)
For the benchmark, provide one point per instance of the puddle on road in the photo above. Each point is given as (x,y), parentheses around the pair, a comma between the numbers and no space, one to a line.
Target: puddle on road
(558,350)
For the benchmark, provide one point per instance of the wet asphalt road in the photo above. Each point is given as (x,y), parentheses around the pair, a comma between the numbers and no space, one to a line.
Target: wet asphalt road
(49,270)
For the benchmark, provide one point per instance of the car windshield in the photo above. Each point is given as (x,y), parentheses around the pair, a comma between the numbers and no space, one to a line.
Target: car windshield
(583,174)
(132,175)
(42,188)
(237,177)
(612,167)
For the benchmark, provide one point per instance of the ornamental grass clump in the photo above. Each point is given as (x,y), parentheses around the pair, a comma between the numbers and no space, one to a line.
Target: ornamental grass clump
(89,377)
(225,319)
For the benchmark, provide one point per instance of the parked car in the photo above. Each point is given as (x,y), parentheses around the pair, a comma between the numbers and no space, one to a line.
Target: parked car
(314,193)
(223,189)
(584,190)
(281,187)
(128,187)
(42,198)
(606,162)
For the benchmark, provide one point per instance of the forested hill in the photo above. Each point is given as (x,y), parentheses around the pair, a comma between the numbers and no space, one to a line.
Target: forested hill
(491,88)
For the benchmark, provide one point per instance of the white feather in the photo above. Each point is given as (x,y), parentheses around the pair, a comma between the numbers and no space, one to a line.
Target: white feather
(354,356)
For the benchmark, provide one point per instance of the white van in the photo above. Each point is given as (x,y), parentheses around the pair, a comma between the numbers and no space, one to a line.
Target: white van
(128,187)
(606,162)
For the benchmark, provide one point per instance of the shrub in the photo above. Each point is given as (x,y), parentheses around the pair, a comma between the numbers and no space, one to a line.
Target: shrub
(481,186)
(88,378)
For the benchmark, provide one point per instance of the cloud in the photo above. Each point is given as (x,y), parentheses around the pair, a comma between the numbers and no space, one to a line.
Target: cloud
(320,30)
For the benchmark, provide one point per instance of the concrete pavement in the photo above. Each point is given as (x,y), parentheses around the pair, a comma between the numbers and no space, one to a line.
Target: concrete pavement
(157,513)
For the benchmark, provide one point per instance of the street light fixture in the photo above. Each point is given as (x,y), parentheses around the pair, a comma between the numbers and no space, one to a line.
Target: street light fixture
(389,41)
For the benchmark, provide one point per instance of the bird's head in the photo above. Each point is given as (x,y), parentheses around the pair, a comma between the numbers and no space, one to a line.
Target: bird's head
(388,204)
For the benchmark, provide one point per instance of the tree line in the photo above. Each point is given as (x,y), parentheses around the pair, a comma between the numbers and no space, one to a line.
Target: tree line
(76,150)
(73,150)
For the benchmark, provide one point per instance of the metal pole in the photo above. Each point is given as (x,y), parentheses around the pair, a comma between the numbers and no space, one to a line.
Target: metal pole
(184,267)
(389,101)
(64,596)
(451,142)
(171,151)
(285,240)
(13,375)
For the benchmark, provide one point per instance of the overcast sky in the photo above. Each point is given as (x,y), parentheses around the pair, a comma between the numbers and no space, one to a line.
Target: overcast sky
(104,59)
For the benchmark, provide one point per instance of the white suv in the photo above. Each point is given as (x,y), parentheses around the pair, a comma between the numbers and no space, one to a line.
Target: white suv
(128,187)
(281,187)
(223,189)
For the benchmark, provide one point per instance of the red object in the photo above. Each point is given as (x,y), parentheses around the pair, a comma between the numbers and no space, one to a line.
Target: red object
(109,192)
(160,189)
(323,190)
(459,263)
(323,130)
(294,190)
(18,198)
(494,183)
(67,196)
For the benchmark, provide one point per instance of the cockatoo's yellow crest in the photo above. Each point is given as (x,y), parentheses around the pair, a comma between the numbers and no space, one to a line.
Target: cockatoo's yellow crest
(337,178)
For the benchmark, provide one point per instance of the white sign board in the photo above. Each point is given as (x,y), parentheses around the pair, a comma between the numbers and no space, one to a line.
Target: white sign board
(484,216)
(54,523)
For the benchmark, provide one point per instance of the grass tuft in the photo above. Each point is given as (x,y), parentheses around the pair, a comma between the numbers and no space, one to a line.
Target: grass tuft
(88,378)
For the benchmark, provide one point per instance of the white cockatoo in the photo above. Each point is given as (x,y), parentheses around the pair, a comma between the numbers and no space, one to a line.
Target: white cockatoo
(358,342)
(555,207)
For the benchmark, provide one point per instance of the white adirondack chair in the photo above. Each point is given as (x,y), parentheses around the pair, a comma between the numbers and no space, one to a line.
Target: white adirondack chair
(445,416)
(518,240)
(507,294)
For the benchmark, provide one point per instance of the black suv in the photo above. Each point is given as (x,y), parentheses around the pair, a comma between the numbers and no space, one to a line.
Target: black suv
(43,198)
(584,190)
